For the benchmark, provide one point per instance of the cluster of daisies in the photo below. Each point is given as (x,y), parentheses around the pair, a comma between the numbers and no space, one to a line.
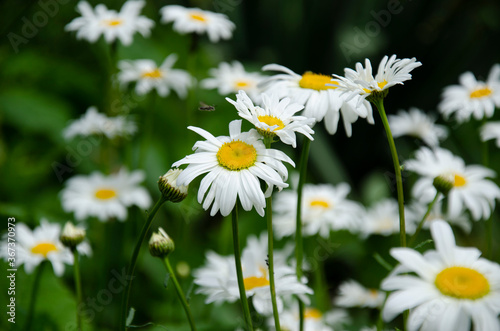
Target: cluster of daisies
(449,288)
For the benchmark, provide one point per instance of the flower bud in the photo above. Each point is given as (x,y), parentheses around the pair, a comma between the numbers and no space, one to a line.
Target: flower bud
(443,183)
(168,186)
(72,235)
(160,244)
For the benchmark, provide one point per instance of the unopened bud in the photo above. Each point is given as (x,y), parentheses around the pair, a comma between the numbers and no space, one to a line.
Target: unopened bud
(160,244)
(443,183)
(168,186)
(72,235)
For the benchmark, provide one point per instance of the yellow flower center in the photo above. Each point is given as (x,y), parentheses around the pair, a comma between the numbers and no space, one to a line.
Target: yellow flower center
(43,249)
(105,194)
(241,84)
(319,204)
(271,121)
(312,313)
(459,181)
(113,23)
(198,17)
(252,282)
(380,85)
(237,155)
(462,283)
(482,92)
(156,73)
(316,81)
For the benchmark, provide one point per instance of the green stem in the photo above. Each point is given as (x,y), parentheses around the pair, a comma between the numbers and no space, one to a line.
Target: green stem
(239,271)
(133,261)
(270,240)
(180,293)
(299,245)
(78,286)
(379,103)
(489,221)
(34,292)
(421,223)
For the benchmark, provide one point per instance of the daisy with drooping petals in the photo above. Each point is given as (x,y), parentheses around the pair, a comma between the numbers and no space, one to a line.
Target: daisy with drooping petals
(33,247)
(353,294)
(113,25)
(149,76)
(103,196)
(383,219)
(218,280)
(472,97)
(451,288)
(93,122)
(231,78)
(321,101)
(471,189)
(416,123)
(234,164)
(391,71)
(187,20)
(490,131)
(416,210)
(325,208)
(275,118)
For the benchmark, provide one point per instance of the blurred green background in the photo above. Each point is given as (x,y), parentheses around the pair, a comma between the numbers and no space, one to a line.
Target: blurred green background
(50,78)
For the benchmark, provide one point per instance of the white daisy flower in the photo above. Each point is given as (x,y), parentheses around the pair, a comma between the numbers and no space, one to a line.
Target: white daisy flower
(416,210)
(231,78)
(452,286)
(93,122)
(353,294)
(490,131)
(391,71)
(187,20)
(113,25)
(218,281)
(321,101)
(275,117)
(234,164)
(314,320)
(33,247)
(472,97)
(149,76)
(103,196)
(471,190)
(325,208)
(418,124)
(383,219)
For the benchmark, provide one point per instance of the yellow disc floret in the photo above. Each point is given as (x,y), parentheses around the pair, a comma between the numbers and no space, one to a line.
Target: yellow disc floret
(237,155)
(105,194)
(252,282)
(113,23)
(316,81)
(312,313)
(156,73)
(198,17)
(43,249)
(459,181)
(319,203)
(462,283)
(482,92)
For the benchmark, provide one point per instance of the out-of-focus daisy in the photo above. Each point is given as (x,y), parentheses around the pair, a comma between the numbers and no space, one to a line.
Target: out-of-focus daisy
(353,294)
(417,210)
(149,76)
(314,319)
(391,71)
(321,101)
(103,196)
(450,288)
(234,164)
(231,78)
(471,190)
(33,247)
(490,131)
(217,279)
(110,23)
(472,97)
(93,122)
(383,218)
(324,208)
(187,20)
(417,124)
(275,117)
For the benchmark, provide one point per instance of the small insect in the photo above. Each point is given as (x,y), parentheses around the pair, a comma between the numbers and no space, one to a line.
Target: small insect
(267,260)
(204,107)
